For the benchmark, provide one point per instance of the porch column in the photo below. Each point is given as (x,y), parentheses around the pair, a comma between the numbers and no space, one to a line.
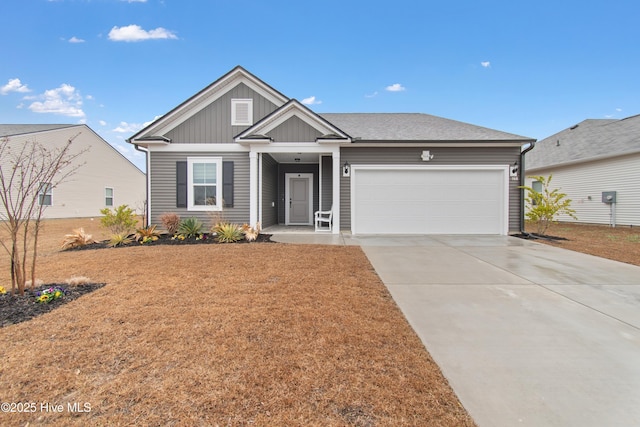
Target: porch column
(335,180)
(253,188)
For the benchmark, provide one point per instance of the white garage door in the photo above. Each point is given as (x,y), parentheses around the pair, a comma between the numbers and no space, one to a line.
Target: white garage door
(443,200)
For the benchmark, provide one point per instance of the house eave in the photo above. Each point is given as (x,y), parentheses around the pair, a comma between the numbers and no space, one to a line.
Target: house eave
(580,161)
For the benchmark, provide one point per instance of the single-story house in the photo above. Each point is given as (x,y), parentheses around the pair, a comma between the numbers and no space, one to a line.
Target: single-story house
(104,177)
(243,150)
(597,164)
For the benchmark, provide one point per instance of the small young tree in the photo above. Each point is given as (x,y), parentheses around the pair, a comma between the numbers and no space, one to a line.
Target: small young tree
(544,206)
(27,170)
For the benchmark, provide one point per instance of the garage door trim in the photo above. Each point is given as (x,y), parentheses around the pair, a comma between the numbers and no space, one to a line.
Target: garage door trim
(504,224)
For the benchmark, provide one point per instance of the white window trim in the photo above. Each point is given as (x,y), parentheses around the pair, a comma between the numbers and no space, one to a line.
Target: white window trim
(112,197)
(234,105)
(190,200)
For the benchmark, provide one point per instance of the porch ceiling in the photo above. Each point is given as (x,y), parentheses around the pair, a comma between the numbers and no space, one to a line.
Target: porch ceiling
(291,157)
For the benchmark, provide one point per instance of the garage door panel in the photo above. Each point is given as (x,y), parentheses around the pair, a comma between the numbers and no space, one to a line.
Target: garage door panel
(428,201)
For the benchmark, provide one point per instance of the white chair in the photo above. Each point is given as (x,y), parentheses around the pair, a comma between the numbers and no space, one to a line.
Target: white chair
(324,219)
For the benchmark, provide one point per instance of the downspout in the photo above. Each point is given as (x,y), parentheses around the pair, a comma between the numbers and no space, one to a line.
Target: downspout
(532,144)
(146,175)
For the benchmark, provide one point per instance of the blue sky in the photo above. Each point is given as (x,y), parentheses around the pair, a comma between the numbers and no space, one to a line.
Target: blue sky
(530,68)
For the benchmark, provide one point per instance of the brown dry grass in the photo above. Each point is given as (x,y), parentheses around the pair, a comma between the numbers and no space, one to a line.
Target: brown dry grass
(260,334)
(619,243)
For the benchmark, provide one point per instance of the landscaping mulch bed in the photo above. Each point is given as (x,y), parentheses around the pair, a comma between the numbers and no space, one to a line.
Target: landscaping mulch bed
(20,308)
(167,239)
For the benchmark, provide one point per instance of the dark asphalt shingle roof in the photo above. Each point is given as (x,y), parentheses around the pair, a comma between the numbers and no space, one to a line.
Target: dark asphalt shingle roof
(413,127)
(590,139)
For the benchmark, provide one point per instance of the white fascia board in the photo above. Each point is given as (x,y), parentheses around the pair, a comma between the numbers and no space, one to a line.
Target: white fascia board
(202,101)
(431,167)
(200,148)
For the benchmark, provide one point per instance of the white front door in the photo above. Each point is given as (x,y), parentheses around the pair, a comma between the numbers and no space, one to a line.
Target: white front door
(298,198)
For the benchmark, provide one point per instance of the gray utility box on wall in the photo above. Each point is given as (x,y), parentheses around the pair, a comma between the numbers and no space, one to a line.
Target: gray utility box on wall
(608,197)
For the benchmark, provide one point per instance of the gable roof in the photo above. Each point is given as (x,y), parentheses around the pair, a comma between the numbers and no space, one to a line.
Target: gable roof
(21,129)
(203,99)
(293,108)
(589,140)
(414,127)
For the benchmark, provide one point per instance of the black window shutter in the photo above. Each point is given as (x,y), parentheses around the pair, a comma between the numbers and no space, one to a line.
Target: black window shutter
(181,184)
(227,184)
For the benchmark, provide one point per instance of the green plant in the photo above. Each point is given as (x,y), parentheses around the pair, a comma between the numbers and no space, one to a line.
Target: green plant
(190,227)
(251,233)
(77,239)
(228,233)
(120,240)
(122,220)
(634,238)
(546,205)
(170,221)
(147,234)
(47,295)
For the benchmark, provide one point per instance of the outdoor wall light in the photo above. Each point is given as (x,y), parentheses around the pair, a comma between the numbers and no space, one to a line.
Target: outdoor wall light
(346,169)
(426,156)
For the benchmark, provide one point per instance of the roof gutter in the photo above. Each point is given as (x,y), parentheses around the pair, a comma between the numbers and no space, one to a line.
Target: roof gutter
(532,144)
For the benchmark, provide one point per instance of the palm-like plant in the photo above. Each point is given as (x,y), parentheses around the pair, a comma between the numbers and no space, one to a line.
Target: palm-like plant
(77,239)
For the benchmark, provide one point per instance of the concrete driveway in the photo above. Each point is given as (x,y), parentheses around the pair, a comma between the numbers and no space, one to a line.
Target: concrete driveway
(526,334)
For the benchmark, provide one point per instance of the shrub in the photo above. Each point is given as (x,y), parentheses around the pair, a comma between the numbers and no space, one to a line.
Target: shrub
(190,227)
(77,239)
(122,220)
(170,221)
(545,206)
(228,233)
(251,233)
(147,234)
(120,240)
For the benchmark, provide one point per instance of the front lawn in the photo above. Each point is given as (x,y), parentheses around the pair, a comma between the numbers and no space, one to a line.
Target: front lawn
(251,334)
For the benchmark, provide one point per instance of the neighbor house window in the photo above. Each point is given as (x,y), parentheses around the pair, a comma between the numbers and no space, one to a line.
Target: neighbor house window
(108,196)
(537,187)
(204,181)
(241,112)
(44,194)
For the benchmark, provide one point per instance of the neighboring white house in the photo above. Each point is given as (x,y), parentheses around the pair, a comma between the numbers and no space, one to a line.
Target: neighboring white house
(589,159)
(105,178)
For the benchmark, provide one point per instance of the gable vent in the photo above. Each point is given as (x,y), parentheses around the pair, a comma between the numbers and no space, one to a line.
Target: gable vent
(241,112)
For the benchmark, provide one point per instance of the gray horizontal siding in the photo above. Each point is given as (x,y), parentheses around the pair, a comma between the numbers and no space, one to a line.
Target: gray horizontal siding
(442,156)
(327,177)
(163,187)
(294,130)
(213,123)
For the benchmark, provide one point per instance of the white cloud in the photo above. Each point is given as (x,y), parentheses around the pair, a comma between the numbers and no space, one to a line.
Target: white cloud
(102,123)
(64,100)
(311,101)
(75,39)
(486,64)
(145,124)
(396,87)
(14,85)
(618,109)
(125,127)
(135,33)
(373,95)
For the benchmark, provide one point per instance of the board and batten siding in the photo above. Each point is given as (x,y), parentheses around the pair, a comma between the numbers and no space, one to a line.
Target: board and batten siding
(584,183)
(442,156)
(294,129)
(269,191)
(213,123)
(163,187)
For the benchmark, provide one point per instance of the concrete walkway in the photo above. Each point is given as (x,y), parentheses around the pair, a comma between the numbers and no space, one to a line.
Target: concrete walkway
(527,334)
